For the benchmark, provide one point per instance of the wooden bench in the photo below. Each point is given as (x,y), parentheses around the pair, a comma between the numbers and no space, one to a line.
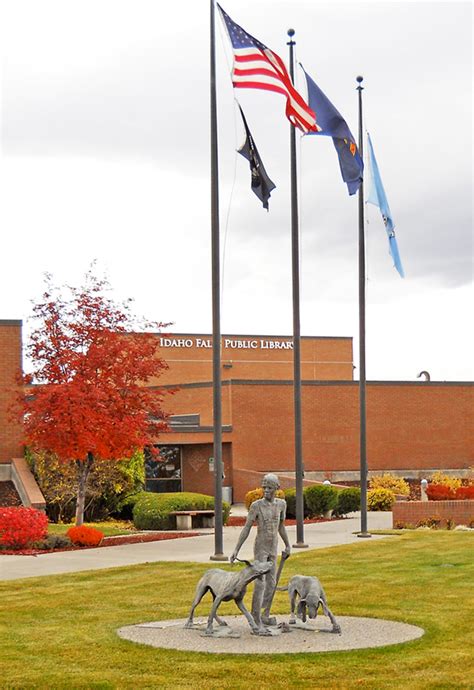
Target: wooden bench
(184,518)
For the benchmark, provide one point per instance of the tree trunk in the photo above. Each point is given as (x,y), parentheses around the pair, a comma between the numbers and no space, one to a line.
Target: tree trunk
(83,470)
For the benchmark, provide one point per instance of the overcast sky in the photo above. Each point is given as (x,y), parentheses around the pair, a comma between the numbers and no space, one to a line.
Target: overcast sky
(105,155)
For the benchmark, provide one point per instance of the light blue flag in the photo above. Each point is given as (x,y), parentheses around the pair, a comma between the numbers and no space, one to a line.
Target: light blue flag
(378,198)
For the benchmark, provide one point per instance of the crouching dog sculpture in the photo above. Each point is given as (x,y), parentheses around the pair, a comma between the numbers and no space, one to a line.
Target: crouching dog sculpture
(306,595)
(227,586)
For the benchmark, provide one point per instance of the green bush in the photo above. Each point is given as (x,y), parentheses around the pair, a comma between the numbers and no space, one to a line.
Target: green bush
(380,499)
(348,501)
(126,510)
(53,541)
(152,511)
(290,498)
(320,498)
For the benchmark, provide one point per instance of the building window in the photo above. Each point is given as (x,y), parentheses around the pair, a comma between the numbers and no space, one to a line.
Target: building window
(163,475)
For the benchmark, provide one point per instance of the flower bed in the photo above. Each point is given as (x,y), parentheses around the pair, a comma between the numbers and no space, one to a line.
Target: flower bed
(106,541)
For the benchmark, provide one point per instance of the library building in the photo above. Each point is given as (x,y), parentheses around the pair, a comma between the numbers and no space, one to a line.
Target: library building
(413,427)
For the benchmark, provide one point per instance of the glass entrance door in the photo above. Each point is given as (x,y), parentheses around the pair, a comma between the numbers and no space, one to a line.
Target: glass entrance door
(163,475)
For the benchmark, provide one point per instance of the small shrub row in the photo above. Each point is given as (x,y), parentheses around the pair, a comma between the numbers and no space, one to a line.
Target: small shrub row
(20,527)
(153,511)
(317,500)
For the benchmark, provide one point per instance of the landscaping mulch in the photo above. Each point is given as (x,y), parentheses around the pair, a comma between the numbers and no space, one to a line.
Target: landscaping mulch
(106,541)
(9,497)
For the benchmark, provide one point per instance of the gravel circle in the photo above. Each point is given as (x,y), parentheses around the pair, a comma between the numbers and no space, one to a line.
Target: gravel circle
(357,633)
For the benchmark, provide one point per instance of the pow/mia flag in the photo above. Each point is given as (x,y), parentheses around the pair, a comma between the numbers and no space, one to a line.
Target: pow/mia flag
(261,184)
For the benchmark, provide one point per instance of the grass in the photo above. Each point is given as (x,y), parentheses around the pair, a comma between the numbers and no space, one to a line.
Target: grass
(60,631)
(110,528)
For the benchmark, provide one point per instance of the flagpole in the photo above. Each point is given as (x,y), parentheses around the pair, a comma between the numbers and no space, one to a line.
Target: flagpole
(295,262)
(216,317)
(362,375)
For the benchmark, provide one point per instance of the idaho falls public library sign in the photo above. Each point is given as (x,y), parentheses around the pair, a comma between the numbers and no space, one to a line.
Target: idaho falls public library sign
(228,343)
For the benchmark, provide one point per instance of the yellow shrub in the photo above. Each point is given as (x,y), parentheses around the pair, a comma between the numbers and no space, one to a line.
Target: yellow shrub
(390,481)
(255,494)
(380,499)
(445,479)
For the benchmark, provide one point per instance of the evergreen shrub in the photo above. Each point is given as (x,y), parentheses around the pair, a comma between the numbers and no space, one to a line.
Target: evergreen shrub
(290,498)
(152,511)
(320,498)
(348,501)
(53,541)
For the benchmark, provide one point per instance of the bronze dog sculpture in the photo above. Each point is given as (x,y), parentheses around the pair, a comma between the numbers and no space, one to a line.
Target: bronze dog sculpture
(311,595)
(228,586)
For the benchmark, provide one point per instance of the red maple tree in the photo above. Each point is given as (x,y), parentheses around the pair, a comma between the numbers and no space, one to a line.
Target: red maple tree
(86,399)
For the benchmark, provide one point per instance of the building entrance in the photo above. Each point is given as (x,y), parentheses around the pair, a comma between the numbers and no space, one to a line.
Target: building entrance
(164,475)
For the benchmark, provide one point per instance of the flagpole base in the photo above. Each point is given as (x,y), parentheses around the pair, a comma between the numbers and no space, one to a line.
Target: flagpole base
(219,557)
(300,545)
(364,535)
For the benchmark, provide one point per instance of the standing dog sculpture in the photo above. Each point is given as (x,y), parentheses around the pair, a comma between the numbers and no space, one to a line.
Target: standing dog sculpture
(225,586)
(311,594)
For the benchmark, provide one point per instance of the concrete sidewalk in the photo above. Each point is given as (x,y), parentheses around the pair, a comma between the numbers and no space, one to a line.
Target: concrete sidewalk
(192,549)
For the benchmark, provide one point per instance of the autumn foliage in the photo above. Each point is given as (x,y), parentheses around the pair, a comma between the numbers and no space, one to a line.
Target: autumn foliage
(441,492)
(91,365)
(85,535)
(20,527)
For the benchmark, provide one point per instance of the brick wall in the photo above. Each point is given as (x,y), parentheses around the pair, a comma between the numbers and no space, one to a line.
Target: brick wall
(417,425)
(411,512)
(10,366)
(258,357)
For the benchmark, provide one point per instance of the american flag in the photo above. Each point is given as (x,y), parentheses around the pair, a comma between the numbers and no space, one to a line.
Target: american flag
(258,67)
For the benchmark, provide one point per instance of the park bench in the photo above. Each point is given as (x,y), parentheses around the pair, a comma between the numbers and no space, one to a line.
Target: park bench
(202,518)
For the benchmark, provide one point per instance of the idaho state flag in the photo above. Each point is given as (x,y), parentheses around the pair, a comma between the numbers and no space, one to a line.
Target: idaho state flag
(333,125)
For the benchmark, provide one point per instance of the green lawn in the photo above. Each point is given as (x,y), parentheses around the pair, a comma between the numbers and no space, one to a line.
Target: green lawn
(110,528)
(59,632)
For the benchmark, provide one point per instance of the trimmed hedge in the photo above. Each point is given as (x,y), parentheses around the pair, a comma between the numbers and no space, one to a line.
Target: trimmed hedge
(152,511)
(348,501)
(290,498)
(320,498)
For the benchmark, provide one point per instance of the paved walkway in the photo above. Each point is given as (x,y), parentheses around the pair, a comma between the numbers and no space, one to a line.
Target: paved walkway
(192,549)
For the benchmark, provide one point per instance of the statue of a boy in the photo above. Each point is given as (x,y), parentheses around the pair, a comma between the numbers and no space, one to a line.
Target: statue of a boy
(269,514)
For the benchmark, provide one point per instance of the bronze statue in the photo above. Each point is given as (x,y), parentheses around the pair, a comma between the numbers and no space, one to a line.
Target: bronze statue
(269,513)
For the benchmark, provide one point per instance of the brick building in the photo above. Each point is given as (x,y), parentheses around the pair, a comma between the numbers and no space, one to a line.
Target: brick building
(412,427)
